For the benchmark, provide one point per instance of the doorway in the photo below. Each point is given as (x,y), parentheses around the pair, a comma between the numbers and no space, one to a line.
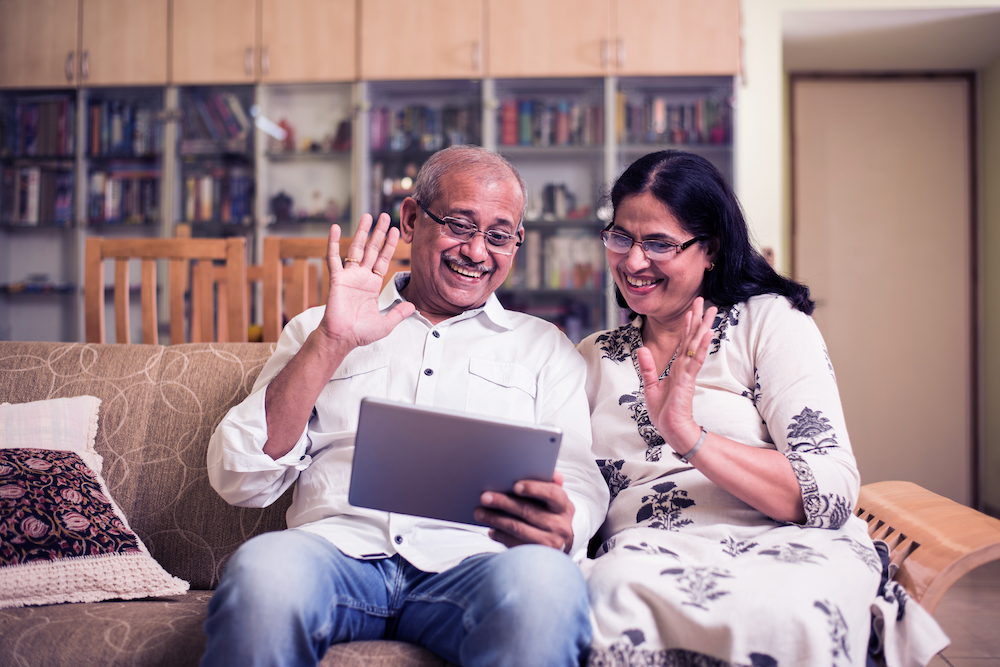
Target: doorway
(883,233)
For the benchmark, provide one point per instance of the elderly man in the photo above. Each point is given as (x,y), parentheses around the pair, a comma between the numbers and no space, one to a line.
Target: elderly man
(509,594)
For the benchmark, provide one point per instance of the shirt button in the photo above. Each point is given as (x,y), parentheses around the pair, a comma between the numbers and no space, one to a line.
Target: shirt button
(428,371)
(436,334)
(399,539)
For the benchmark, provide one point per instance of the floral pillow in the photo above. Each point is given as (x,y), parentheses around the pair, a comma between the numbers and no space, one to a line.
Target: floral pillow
(63,538)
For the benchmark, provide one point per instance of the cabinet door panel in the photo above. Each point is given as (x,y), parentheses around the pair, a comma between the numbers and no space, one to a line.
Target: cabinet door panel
(308,40)
(548,38)
(674,37)
(36,39)
(431,39)
(211,39)
(125,42)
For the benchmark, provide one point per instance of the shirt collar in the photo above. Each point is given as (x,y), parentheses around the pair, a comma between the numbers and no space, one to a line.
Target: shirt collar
(492,309)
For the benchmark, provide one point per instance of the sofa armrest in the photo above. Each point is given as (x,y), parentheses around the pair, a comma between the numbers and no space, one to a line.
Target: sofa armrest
(933,541)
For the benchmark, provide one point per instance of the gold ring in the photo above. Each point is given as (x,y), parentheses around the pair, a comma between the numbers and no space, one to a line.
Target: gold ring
(377,273)
(351,259)
(690,353)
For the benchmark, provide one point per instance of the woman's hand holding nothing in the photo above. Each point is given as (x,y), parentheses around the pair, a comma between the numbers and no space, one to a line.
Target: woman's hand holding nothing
(669,401)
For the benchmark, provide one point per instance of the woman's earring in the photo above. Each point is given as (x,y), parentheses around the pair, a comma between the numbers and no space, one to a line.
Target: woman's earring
(711,267)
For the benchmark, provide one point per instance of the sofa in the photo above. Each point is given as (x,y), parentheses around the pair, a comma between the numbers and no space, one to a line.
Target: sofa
(159,406)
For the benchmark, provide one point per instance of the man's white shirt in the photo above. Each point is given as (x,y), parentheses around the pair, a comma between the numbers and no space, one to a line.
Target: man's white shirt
(488,361)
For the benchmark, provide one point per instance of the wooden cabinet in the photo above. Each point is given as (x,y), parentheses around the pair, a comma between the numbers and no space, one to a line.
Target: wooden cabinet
(308,41)
(534,38)
(213,41)
(431,39)
(216,41)
(123,43)
(676,37)
(556,38)
(38,43)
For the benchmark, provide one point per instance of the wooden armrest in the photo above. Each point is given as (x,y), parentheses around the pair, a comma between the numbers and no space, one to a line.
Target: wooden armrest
(933,541)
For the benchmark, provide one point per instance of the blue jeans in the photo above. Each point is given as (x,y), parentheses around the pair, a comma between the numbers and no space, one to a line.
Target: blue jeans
(286,596)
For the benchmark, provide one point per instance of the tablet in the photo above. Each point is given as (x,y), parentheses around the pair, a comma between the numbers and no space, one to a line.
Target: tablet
(436,463)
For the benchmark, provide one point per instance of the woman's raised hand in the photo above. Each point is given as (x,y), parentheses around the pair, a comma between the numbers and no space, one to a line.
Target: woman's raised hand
(669,401)
(352,317)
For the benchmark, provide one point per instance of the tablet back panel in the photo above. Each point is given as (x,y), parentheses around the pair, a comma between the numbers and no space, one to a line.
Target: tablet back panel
(436,463)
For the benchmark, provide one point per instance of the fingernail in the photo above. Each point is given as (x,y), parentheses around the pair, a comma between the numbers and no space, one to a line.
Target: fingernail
(519,488)
(487,498)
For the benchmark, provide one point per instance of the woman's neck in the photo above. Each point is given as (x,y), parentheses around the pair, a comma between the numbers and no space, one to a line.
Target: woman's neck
(662,338)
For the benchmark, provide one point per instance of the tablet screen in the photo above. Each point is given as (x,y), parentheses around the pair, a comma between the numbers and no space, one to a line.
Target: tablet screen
(436,463)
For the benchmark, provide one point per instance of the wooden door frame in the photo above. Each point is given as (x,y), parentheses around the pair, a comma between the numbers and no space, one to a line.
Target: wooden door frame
(974,239)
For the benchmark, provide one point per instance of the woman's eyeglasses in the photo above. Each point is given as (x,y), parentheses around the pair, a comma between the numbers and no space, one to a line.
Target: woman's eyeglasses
(655,250)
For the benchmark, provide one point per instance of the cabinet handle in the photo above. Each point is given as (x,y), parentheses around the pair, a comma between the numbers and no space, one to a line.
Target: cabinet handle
(69,67)
(85,66)
(265,61)
(476,56)
(621,52)
(248,61)
(605,53)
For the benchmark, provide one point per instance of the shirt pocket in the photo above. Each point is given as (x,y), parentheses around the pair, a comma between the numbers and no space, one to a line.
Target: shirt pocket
(501,388)
(359,376)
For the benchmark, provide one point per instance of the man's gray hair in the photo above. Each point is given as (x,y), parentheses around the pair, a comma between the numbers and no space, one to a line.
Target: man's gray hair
(465,158)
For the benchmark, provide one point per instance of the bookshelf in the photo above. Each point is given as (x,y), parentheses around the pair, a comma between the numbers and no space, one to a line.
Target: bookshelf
(305,178)
(123,144)
(553,131)
(216,181)
(407,121)
(37,213)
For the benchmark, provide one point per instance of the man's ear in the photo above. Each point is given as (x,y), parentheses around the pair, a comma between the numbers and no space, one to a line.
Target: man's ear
(408,212)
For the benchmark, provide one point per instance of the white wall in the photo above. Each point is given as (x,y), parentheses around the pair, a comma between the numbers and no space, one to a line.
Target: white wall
(990,225)
(760,141)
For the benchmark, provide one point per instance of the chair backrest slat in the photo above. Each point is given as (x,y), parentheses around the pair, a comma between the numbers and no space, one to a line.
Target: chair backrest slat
(289,289)
(150,328)
(218,309)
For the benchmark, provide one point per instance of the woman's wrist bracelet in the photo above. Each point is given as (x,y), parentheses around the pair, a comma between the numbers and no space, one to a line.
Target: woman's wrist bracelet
(685,458)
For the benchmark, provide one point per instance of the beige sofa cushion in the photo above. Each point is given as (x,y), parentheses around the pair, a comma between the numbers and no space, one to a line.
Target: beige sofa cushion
(159,407)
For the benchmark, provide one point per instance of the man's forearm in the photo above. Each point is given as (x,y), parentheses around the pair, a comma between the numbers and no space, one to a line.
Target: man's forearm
(292,394)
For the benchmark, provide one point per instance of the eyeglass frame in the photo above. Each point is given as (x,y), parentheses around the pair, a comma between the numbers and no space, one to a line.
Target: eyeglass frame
(475,230)
(679,247)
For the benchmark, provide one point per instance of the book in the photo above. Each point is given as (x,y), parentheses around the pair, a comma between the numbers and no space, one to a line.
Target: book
(33,178)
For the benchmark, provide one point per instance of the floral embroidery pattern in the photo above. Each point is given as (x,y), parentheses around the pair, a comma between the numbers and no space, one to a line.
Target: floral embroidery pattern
(723,320)
(52,506)
(863,553)
(651,550)
(793,553)
(701,584)
(663,508)
(637,406)
(809,425)
(839,645)
(731,547)
(631,655)
(895,593)
(753,394)
(617,345)
(613,477)
(823,510)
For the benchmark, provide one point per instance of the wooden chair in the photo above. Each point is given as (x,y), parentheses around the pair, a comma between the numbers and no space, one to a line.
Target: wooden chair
(289,289)
(933,541)
(208,322)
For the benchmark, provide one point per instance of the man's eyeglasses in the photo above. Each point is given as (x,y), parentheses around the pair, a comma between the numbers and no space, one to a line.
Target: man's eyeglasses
(463,230)
(655,250)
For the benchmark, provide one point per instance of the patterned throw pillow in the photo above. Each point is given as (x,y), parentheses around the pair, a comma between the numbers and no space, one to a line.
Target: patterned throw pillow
(63,538)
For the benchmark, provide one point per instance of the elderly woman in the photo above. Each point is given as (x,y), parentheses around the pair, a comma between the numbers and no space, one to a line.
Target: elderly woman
(730,537)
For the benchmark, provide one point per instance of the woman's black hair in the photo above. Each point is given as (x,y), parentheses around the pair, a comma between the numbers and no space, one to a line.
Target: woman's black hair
(699,197)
